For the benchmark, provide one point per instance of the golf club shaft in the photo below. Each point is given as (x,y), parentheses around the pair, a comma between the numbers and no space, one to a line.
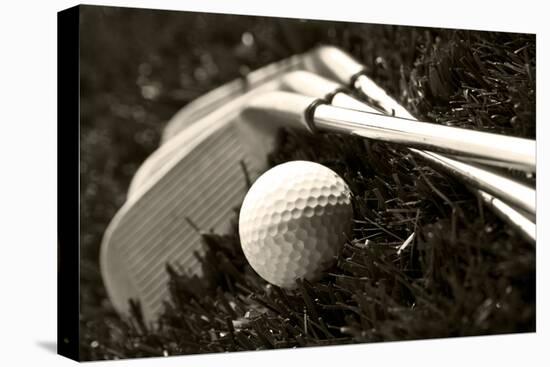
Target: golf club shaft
(512,191)
(508,190)
(378,96)
(477,179)
(518,153)
(521,223)
(503,149)
(291,109)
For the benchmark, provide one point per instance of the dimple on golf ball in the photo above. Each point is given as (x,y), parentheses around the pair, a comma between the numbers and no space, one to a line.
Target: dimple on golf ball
(293,222)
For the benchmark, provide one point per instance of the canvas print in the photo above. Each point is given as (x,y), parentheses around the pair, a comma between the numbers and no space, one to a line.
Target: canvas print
(252,183)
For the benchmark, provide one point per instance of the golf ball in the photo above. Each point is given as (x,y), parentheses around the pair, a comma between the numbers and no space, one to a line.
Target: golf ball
(293,222)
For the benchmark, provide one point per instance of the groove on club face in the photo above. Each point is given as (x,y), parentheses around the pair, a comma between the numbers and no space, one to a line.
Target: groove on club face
(197,173)
(270,77)
(148,235)
(288,74)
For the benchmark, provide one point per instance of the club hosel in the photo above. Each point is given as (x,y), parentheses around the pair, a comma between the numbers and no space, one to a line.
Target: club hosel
(309,84)
(313,85)
(374,93)
(348,71)
(336,63)
(282,109)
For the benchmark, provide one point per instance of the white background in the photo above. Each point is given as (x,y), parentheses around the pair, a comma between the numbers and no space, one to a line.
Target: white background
(28,181)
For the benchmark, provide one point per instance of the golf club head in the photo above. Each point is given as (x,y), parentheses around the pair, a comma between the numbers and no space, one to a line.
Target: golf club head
(298,81)
(255,82)
(216,98)
(195,178)
(327,61)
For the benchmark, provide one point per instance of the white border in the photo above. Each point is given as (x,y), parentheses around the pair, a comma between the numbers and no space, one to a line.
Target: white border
(28,184)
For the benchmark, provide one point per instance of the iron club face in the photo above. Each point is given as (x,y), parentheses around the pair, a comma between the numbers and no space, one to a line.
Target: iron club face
(196,177)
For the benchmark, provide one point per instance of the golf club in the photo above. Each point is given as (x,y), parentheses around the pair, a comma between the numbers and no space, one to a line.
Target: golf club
(506,189)
(185,119)
(191,183)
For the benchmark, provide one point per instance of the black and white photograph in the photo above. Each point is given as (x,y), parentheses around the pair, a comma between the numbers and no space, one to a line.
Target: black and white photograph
(253,183)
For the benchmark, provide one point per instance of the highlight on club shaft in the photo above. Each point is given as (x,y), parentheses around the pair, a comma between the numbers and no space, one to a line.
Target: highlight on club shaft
(503,149)
(507,190)
(452,140)
(517,153)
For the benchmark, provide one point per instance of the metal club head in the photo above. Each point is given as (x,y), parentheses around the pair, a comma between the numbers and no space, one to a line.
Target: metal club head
(194,177)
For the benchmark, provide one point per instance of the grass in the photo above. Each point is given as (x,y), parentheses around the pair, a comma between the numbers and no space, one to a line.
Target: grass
(465,271)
